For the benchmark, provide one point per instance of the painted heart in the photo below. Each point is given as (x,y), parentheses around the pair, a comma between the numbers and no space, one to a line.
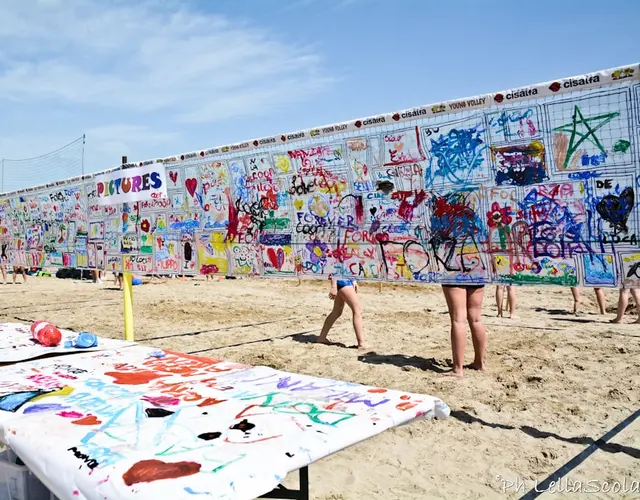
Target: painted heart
(276,257)
(273,258)
(88,420)
(191,185)
(173,175)
(298,204)
(398,146)
(616,209)
(373,210)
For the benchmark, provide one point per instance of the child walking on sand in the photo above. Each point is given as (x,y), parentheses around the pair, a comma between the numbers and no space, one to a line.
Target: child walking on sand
(577,300)
(344,291)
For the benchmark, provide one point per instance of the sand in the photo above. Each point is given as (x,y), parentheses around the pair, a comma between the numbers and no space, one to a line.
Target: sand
(555,382)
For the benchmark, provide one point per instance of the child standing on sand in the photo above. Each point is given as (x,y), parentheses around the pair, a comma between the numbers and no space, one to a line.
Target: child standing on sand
(344,291)
(623,301)
(465,306)
(511,300)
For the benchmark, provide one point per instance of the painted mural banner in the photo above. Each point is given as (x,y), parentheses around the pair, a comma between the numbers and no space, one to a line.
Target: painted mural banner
(530,186)
(16,344)
(143,423)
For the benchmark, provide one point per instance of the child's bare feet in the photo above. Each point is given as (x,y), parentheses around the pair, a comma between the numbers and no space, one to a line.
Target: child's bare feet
(453,373)
(499,314)
(513,316)
(617,320)
(322,340)
(576,306)
(363,346)
(476,366)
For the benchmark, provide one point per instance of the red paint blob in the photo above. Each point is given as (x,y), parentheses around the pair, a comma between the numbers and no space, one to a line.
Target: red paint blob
(134,378)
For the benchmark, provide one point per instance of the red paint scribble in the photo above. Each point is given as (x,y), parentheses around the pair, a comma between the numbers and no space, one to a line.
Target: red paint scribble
(232,228)
(88,420)
(406,406)
(69,414)
(147,471)
(377,390)
(211,402)
(406,208)
(405,397)
(207,269)
(359,209)
(134,378)
(76,493)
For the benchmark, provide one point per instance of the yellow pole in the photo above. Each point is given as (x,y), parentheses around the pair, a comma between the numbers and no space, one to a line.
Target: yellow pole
(128,307)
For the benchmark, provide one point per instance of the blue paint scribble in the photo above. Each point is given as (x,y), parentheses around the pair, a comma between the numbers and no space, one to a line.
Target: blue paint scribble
(584,175)
(192,492)
(456,156)
(40,408)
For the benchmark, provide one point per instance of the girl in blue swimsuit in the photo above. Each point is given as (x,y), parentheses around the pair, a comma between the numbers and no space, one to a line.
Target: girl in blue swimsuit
(344,291)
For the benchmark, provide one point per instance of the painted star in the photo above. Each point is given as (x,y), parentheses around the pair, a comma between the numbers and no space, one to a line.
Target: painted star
(582,128)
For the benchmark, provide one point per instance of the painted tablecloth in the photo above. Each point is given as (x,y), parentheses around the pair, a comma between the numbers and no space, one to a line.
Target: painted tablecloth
(16,344)
(139,423)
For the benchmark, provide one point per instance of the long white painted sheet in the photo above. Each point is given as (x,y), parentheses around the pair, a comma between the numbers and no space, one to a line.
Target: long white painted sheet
(139,423)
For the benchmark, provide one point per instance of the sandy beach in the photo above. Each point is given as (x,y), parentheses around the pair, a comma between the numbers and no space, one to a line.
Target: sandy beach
(555,382)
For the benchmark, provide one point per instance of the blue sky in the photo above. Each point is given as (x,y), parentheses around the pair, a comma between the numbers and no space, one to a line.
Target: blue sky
(156,78)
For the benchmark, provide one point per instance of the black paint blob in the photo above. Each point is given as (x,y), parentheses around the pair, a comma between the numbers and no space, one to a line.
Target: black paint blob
(244,426)
(208,436)
(157,412)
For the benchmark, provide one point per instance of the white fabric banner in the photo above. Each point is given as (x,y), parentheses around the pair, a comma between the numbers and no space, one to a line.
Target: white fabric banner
(148,182)
(138,423)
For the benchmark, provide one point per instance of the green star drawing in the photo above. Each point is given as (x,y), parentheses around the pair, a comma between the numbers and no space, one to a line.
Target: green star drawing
(588,133)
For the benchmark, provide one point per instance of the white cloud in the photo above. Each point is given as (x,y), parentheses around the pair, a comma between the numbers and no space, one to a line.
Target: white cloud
(149,57)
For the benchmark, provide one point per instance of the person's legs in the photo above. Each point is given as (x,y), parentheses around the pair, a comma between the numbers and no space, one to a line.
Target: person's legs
(15,274)
(500,299)
(575,291)
(457,303)
(635,293)
(336,312)
(4,274)
(511,301)
(623,300)
(602,301)
(24,274)
(350,297)
(478,334)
